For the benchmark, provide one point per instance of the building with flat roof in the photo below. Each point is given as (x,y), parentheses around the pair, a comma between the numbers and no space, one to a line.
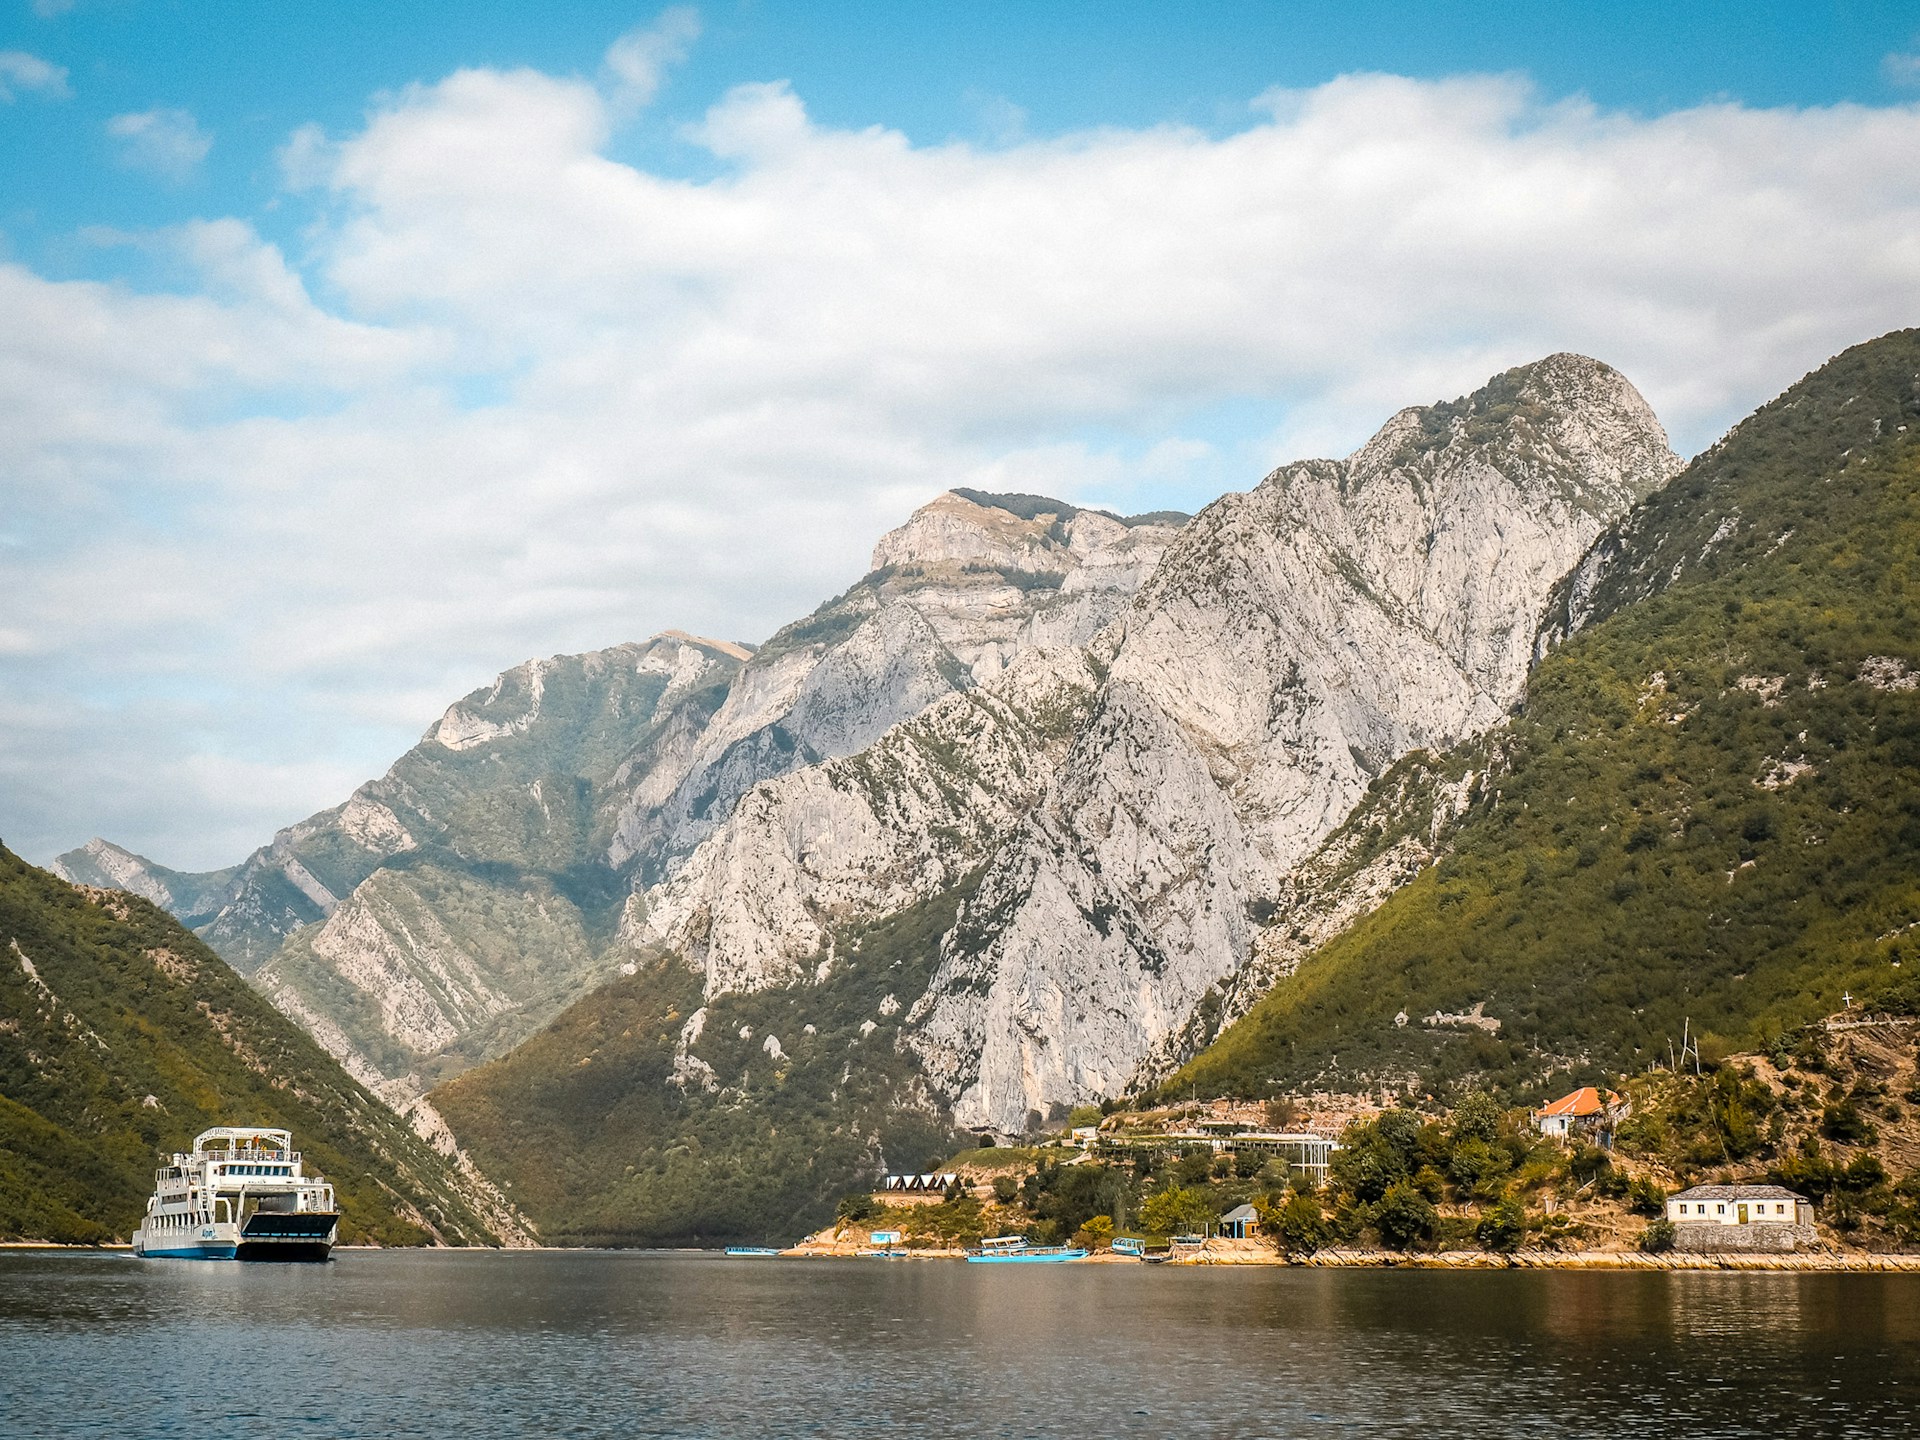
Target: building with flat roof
(1740,1217)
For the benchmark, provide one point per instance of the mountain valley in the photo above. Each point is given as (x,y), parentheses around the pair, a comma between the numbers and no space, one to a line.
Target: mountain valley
(1394,771)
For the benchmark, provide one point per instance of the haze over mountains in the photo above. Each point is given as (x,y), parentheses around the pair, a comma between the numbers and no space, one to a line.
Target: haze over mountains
(1020,821)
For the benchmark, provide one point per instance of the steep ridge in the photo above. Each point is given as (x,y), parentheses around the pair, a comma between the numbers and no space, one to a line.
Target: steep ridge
(809,948)
(504,776)
(451,906)
(192,899)
(1295,642)
(1703,819)
(122,1036)
(853,839)
(971,581)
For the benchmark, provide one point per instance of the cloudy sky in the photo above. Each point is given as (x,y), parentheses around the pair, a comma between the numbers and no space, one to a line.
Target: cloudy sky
(348,357)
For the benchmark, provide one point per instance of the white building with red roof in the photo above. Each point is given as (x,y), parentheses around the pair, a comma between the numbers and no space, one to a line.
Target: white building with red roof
(1587,1110)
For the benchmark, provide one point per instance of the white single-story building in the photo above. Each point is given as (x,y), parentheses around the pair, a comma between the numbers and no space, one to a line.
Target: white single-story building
(1740,1217)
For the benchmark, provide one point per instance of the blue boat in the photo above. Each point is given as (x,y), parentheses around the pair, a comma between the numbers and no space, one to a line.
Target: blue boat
(1014,1250)
(751,1252)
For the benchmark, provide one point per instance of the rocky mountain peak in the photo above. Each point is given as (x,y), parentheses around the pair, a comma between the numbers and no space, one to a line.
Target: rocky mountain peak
(1567,424)
(1296,641)
(953,529)
(512,705)
(1030,534)
(106,865)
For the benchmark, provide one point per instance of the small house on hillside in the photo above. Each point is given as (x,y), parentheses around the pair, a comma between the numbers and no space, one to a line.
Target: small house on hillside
(1588,1111)
(1239,1222)
(928,1189)
(1740,1217)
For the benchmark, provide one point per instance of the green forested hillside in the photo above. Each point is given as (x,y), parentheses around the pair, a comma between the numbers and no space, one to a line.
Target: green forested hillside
(755,1140)
(122,1036)
(1708,809)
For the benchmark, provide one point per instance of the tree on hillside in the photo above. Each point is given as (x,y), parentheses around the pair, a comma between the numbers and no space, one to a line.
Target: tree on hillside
(1404,1216)
(1179,1210)
(1297,1225)
(1504,1228)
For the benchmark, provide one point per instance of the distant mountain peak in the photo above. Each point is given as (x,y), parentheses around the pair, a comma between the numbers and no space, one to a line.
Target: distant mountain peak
(1567,421)
(729,648)
(1024,533)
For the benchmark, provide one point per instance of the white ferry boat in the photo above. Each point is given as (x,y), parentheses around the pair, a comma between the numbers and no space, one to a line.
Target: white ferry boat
(241,1195)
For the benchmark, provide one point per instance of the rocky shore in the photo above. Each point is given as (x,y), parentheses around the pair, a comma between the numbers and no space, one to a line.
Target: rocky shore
(841,1244)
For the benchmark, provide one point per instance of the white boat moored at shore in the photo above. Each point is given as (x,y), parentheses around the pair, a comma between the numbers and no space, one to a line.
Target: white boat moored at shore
(241,1194)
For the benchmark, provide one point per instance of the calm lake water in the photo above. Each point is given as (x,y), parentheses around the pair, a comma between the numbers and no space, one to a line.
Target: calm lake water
(493,1345)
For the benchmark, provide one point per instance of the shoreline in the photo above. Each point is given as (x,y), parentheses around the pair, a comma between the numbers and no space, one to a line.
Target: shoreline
(1251,1254)
(1247,1255)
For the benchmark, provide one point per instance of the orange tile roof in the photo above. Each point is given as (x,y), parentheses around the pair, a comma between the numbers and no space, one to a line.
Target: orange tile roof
(1584,1101)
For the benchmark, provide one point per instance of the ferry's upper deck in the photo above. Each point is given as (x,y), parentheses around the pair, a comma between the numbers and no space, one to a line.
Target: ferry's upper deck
(230,1158)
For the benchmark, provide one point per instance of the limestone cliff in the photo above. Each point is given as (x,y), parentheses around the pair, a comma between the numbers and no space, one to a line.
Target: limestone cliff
(448,908)
(1294,642)
(970,582)
(1114,750)
(871,833)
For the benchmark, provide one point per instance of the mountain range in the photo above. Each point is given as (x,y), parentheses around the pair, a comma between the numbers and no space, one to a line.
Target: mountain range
(122,1037)
(1054,803)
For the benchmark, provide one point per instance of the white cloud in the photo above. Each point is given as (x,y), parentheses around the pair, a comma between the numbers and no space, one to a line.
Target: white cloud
(1901,67)
(167,143)
(21,72)
(555,401)
(49,9)
(638,61)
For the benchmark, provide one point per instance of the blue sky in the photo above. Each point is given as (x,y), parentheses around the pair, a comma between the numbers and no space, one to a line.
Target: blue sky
(251,73)
(349,354)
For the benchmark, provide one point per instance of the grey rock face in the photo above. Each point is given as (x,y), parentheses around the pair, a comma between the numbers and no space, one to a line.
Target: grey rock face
(1294,642)
(1142,738)
(955,595)
(104,864)
(445,909)
(868,834)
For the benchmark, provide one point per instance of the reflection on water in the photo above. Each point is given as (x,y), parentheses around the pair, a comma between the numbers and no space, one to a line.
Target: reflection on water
(409,1344)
